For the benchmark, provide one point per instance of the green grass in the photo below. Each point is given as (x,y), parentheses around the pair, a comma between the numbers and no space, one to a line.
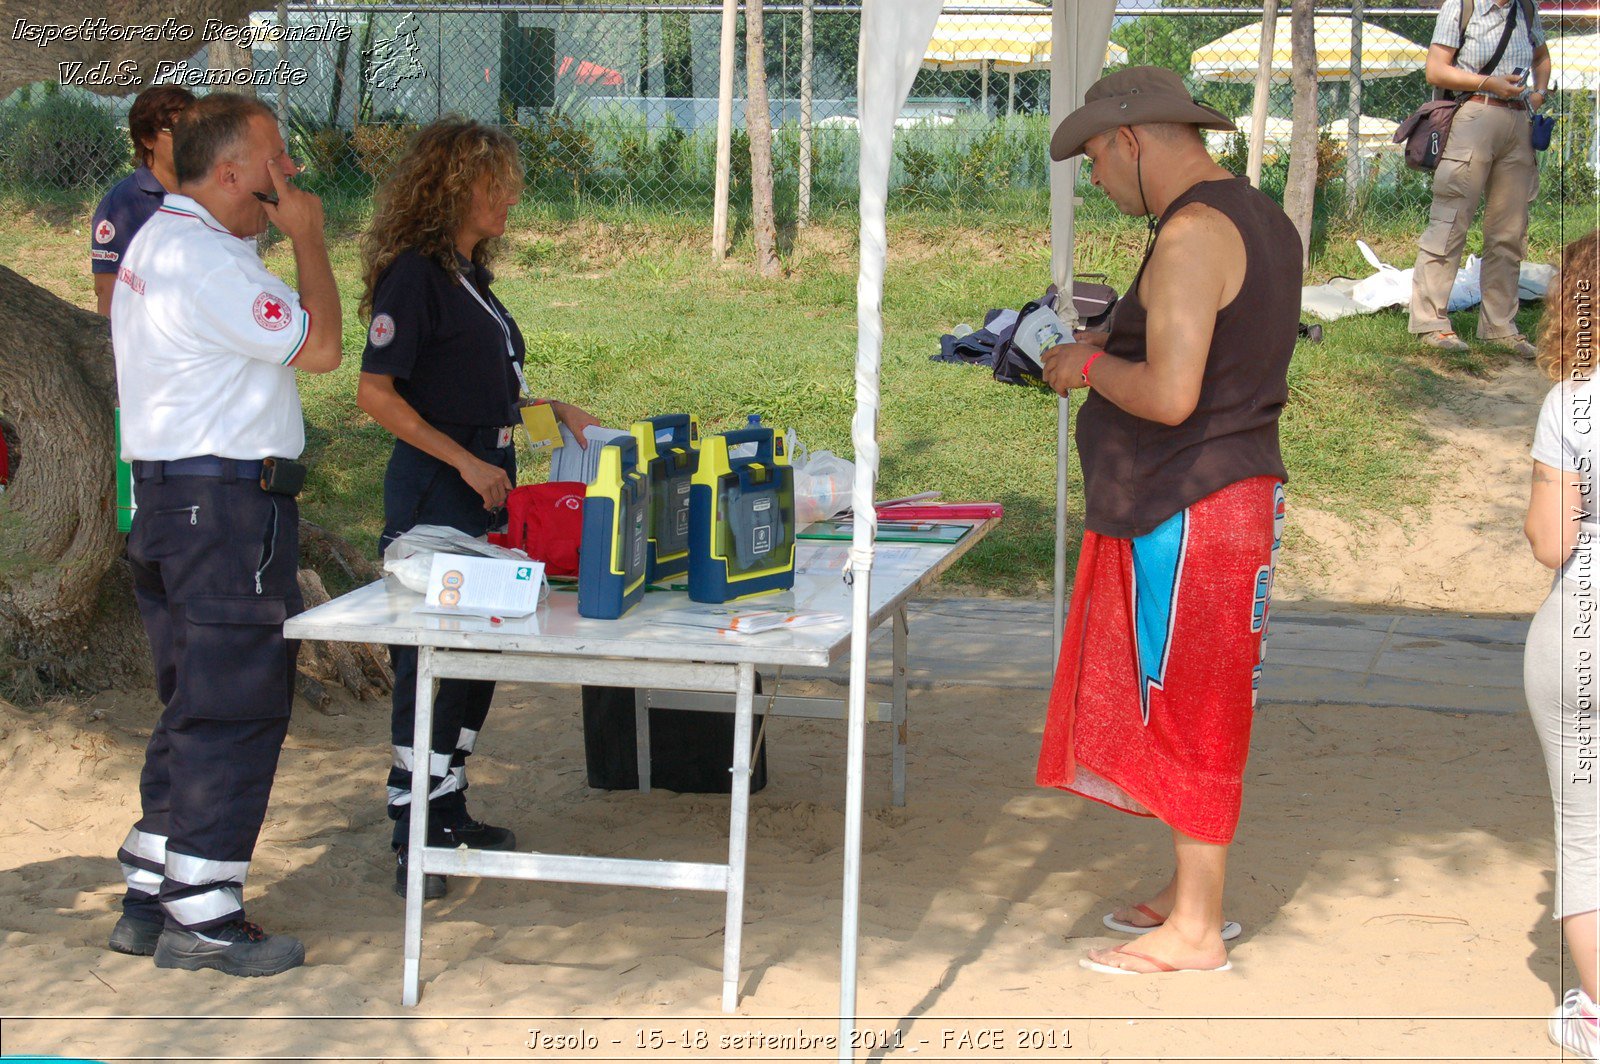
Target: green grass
(629,317)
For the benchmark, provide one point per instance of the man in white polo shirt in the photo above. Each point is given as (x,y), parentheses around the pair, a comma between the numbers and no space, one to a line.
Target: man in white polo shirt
(207,344)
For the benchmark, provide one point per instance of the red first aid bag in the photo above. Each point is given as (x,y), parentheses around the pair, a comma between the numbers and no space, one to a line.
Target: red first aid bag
(546,521)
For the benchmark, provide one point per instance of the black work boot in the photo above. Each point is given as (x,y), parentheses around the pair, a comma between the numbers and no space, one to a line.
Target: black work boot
(457,828)
(135,937)
(236,948)
(433,885)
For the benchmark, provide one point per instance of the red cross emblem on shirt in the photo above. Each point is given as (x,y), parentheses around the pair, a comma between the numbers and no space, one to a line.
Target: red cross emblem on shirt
(382,330)
(269,312)
(104,231)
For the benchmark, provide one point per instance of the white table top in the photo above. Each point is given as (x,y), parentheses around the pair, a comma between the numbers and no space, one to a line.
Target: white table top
(382,612)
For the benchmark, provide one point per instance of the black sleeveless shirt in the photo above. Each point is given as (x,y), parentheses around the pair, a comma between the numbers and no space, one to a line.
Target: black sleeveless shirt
(1138,473)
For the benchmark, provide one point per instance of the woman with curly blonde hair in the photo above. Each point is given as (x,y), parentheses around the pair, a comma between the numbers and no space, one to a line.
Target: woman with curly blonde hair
(442,371)
(1563,648)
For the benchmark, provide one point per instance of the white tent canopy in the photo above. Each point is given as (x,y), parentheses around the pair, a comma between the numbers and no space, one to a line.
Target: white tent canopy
(894,38)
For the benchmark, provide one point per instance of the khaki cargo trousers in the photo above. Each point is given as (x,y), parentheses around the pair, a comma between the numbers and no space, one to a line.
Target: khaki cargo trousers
(1488,157)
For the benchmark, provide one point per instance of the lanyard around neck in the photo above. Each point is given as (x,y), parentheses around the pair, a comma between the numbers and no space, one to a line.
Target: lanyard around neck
(505,329)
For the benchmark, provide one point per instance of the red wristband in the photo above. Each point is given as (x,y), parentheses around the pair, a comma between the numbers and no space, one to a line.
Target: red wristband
(1084,372)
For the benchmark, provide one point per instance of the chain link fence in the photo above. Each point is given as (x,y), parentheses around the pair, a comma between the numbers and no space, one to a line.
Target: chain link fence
(616,103)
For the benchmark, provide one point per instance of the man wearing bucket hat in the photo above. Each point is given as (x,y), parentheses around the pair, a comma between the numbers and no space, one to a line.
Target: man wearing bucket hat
(1154,693)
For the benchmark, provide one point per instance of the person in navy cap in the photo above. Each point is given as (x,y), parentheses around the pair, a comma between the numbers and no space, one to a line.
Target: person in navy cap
(132,201)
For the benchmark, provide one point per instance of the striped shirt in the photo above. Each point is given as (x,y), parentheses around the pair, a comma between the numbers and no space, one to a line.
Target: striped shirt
(1488,22)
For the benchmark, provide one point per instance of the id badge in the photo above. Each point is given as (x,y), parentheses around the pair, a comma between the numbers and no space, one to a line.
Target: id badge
(502,437)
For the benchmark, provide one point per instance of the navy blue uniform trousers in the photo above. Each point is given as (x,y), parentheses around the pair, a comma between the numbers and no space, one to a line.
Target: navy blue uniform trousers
(214,564)
(418,489)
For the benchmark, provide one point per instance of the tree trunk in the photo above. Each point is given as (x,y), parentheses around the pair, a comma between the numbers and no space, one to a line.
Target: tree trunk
(360,668)
(22,61)
(1300,194)
(67,617)
(758,122)
(230,55)
(58,534)
(807,73)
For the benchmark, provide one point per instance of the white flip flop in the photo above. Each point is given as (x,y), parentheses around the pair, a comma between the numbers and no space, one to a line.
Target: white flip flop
(1230,929)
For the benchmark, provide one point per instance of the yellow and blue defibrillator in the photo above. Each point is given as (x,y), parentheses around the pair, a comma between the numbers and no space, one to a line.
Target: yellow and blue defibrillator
(614,555)
(669,453)
(741,516)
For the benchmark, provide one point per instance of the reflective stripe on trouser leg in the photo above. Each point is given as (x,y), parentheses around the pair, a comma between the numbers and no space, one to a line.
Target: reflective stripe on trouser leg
(199,893)
(459,706)
(222,780)
(442,778)
(143,857)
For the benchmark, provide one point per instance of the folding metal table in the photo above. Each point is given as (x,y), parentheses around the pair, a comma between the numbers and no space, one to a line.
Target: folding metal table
(670,665)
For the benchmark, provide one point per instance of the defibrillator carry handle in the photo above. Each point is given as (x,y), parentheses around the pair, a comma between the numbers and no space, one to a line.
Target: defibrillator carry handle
(682,428)
(769,445)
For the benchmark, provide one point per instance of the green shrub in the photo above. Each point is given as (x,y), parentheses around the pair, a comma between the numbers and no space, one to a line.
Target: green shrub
(985,167)
(552,144)
(323,148)
(921,167)
(1578,183)
(668,145)
(379,146)
(59,141)
(739,162)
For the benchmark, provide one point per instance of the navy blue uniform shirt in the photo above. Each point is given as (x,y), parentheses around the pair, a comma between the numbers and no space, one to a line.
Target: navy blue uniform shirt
(128,205)
(444,349)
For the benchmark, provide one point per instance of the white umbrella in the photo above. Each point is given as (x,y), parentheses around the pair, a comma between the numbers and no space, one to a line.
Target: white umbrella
(1373,134)
(1275,134)
(1575,62)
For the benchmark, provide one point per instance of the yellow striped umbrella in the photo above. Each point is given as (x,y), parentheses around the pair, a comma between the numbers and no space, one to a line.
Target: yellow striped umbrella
(971,34)
(1575,62)
(1236,56)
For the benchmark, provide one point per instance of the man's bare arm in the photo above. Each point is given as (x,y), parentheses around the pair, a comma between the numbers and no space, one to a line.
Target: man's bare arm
(1442,73)
(1195,271)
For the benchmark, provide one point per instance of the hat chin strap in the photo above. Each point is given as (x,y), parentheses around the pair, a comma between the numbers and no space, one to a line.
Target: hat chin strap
(1144,203)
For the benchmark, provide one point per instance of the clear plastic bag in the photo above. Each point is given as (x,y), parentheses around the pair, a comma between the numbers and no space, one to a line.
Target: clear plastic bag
(822,483)
(410,557)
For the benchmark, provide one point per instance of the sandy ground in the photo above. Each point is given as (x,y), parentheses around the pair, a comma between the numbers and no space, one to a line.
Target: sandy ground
(1465,552)
(1391,877)
(1392,873)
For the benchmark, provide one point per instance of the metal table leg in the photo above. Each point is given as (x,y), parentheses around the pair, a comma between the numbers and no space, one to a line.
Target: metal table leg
(738,829)
(421,761)
(902,629)
(641,733)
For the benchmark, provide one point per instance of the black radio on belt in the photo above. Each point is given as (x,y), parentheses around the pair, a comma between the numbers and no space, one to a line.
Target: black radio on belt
(282,476)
